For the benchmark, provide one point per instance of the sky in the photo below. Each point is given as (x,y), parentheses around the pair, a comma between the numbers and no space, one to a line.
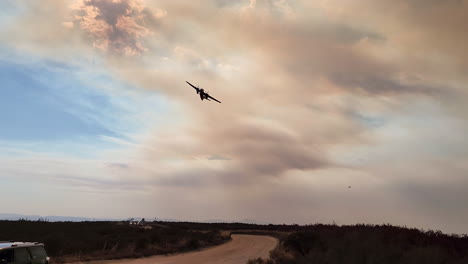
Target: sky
(344,111)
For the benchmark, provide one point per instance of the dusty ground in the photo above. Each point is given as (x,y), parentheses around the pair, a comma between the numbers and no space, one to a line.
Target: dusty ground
(237,251)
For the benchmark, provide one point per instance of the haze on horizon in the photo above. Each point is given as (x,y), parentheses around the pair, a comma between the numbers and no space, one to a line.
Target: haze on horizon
(97,121)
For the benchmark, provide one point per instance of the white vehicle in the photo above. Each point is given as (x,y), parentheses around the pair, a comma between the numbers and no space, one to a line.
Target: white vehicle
(22,253)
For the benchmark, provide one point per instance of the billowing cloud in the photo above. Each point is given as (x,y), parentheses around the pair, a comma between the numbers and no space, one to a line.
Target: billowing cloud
(116,26)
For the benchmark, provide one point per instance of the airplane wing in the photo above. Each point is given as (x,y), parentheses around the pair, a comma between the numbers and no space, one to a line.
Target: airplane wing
(192,86)
(209,96)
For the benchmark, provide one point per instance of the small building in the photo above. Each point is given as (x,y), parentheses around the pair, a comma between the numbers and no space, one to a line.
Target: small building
(137,222)
(141,222)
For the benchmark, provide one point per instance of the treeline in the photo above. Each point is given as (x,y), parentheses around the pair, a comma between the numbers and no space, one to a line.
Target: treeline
(239,226)
(368,244)
(84,241)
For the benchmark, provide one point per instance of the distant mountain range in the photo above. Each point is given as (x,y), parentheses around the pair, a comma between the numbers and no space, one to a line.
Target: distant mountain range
(55,218)
(52,218)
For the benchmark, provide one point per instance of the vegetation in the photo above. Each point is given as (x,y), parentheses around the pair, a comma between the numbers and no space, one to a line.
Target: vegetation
(368,244)
(83,241)
(363,244)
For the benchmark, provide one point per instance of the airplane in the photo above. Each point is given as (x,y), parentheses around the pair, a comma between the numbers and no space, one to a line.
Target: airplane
(203,94)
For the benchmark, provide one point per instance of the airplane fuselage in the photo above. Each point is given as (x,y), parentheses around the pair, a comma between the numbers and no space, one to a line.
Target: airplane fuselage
(203,95)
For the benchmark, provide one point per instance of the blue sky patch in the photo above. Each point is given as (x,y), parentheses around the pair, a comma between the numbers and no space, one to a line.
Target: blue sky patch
(30,110)
(61,107)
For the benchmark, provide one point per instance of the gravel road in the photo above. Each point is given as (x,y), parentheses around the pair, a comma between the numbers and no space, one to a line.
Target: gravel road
(237,251)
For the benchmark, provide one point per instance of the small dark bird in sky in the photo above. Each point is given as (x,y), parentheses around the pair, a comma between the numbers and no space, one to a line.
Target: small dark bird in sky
(349,187)
(203,94)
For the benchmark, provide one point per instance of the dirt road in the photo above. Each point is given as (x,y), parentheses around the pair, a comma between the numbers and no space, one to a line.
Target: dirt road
(237,251)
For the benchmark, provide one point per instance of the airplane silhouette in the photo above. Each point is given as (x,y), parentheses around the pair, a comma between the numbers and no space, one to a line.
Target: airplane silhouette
(203,95)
